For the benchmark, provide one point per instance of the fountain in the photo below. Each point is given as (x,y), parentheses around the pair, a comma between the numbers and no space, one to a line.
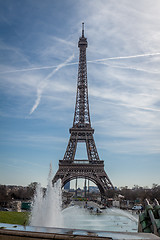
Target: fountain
(47,212)
(46,209)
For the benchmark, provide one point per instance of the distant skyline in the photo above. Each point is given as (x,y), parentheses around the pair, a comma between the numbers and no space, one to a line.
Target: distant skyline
(38,79)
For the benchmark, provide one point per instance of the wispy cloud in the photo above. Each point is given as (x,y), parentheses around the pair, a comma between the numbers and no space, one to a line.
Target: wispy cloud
(30,139)
(129,67)
(44,84)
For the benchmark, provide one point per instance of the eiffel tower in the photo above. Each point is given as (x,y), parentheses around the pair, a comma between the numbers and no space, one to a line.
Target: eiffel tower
(92,168)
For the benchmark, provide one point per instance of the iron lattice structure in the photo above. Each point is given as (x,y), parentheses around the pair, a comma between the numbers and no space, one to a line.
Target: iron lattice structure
(92,168)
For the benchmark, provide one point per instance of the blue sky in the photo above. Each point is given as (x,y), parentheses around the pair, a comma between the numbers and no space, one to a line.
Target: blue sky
(38,75)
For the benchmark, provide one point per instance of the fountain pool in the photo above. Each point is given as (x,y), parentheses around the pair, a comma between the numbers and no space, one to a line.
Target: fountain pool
(110,220)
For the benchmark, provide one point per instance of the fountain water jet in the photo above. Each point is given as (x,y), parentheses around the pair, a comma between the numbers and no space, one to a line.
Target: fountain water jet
(46,209)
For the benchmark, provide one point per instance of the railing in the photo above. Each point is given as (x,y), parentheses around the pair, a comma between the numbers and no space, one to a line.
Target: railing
(149,220)
(81,161)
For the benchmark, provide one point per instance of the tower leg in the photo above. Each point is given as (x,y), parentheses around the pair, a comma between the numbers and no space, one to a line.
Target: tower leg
(71,149)
(91,150)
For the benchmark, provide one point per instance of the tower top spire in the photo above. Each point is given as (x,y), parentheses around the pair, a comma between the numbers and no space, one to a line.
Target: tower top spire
(83,29)
(82,40)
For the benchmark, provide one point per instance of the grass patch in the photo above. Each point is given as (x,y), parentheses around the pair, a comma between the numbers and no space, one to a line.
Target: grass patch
(20,218)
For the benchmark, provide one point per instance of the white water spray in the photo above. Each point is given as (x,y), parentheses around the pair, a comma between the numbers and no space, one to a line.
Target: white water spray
(120,212)
(46,210)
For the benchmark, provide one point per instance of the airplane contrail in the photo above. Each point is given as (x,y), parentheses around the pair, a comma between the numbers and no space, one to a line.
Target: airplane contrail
(44,84)
(89,61)
(36,68)
(126,57)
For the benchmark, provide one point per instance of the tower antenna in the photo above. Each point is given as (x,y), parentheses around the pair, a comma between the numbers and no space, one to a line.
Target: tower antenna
(83,29)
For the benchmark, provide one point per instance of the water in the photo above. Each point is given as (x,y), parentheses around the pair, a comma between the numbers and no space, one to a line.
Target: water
(110,220)
(47,212)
